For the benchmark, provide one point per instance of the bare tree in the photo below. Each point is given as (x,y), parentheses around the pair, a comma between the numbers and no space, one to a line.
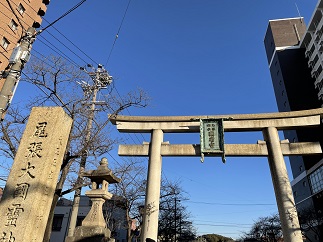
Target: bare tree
(266,229)
(57,84)
(131,192)
(175,223)
(311,223)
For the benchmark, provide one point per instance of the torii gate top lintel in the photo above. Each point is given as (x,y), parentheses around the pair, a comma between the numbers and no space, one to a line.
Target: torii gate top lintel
(236,122)
(302,113)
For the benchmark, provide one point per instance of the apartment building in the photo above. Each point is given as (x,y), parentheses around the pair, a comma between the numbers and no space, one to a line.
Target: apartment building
(294,54)
(15,17)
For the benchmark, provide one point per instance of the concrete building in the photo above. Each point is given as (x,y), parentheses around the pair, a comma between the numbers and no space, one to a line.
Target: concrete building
(15,17)
(295,58)
(112,208)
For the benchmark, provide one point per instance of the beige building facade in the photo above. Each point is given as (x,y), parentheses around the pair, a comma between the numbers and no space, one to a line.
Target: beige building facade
(16,16)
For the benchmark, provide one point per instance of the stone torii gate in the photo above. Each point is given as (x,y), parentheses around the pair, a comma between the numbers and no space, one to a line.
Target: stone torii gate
(272,147)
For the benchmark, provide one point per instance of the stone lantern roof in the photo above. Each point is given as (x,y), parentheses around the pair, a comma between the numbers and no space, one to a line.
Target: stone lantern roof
(102,173)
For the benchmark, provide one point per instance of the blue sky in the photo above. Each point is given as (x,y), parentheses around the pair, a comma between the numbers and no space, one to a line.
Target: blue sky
(193,57)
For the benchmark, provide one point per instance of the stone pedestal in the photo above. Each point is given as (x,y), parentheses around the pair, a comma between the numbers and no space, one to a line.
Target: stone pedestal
(90,234)
(93,227)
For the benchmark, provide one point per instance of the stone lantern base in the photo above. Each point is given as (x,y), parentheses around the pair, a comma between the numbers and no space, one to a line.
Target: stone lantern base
(90,234)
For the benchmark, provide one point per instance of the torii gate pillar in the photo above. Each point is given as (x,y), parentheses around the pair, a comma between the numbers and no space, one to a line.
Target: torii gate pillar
(283,191)
(150,224)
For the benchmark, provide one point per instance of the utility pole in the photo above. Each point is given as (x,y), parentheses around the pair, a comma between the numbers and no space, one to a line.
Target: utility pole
(101,79)
(175,213)
(19,57)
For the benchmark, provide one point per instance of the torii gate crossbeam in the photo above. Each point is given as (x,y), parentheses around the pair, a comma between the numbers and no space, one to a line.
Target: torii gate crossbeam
(272,147)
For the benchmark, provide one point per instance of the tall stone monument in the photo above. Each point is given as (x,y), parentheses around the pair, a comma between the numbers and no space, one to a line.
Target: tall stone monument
(29,191)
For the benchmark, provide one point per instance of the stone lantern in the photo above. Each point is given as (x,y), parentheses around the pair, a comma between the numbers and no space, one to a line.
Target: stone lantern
(94,226)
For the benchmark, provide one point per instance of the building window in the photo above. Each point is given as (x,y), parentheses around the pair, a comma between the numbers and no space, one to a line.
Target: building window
(13,25)
(316,179)
(5,43)
(21,9)
(57,222)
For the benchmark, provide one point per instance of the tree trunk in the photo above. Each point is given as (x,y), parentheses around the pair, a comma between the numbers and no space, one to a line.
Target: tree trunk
(57,195)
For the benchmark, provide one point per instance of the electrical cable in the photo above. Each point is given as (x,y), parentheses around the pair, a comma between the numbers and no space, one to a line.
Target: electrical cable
(120,166)
(225,225)
(65,38)
(208,221)
(64,15)
(67,48)
(130,115)
(44,57)
(49,96)
(61,54)
(117,35)
(234,204)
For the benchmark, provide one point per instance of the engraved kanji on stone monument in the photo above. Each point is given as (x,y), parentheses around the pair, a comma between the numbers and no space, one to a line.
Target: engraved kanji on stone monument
(21,190)
(7,237)
(14,211)
(34,149)
(40,130)
(30,188)
(27,170)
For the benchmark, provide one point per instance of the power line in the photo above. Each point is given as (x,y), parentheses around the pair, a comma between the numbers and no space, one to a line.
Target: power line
(75,47)
(120,166)
(57,52)
(222,222)
(64,15)
(65,38)
(224,225)
(62,54)
(57,40)
(66,48)
(69,11)
(117,35)
(130,115)
(234,204)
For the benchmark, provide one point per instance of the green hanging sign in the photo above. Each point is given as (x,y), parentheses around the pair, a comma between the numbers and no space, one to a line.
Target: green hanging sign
(212,137)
